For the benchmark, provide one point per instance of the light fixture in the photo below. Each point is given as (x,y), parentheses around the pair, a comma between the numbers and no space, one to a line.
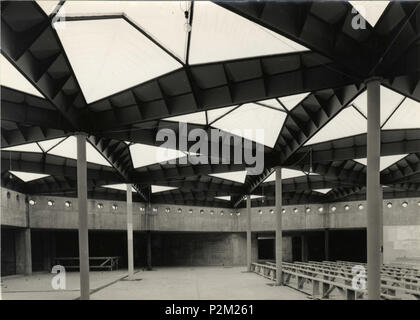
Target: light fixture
(99,205)
(295,210)
(222,213)
(179,210)
(333,208)
(320,209)
(32,202)
(201,211)
(50,203)
(260,211)
(271,211)
(167,210)
(211,212)
(405,204)
(190,211)
(155,209)
(308,209)
(346,207)
(360,206)
(389,204)
(114,207)
(67,204)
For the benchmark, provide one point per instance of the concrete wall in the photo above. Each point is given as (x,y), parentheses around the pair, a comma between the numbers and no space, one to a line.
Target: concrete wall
(13,208)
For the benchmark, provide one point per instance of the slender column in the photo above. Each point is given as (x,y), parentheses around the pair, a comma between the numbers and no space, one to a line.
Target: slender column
(130,253)
(304,248)
(248,233)
(327,244)
(149,250)
(279,229)
(374,204)
(83,217)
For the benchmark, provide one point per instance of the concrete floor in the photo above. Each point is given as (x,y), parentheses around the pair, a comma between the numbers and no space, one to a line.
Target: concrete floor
(189,283)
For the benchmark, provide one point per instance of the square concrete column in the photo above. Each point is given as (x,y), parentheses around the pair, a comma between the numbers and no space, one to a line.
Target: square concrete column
(248,233)
(83,217)
(279,229)
(23,251)
(373,189)
(130,248)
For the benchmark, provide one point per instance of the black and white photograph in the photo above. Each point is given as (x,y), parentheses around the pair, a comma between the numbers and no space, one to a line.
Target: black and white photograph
(202,158)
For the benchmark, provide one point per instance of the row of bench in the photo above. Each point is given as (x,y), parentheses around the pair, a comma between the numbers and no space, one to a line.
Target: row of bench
(101,263)
(327,278)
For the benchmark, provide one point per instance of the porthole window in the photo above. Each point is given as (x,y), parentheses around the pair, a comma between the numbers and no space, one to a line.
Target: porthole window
(167,210)
(346,207)
(99,205)
(418,203)
(238,213)
(114,207)
(333,208)
(360,207)
(50,203)
(222,213)
(260,211)
(179,210)
(308,209)
(389,205)
(271,211)
(201,211)
(295,210)
(155,209)
(405,204)
(231,213)
(190,211)
(211,212)
(67,204)
(320,209)
(141,209)
(32,202)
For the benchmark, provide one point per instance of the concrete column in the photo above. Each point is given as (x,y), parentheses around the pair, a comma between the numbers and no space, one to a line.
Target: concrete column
(304,248)
(149,250)
(130,253)
(374,204)
(327,244)
(83,217)
(23,251)
(279,229)
(381,215)
(248,233)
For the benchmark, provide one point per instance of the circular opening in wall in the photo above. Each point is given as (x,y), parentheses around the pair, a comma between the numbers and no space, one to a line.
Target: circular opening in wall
(50,203)
(67,204)
(360,206)
(99,205)
(222,213)
(283,211)
(260,211)
(295,210)
(333,208)
(271,211)
(389,205)
(346,207)
(179,210)
(211,212)
(32,202)
(231,213)
(114,207)
(418,203)
(308,209)
(201,211)
(405,204)
(8,195)
(155,209)
(238,213)
(141,209)
(167,210)
(190,210)
(320,209)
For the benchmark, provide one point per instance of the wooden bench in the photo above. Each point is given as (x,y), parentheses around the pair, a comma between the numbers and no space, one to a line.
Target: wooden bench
(103,263)
(325,281)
